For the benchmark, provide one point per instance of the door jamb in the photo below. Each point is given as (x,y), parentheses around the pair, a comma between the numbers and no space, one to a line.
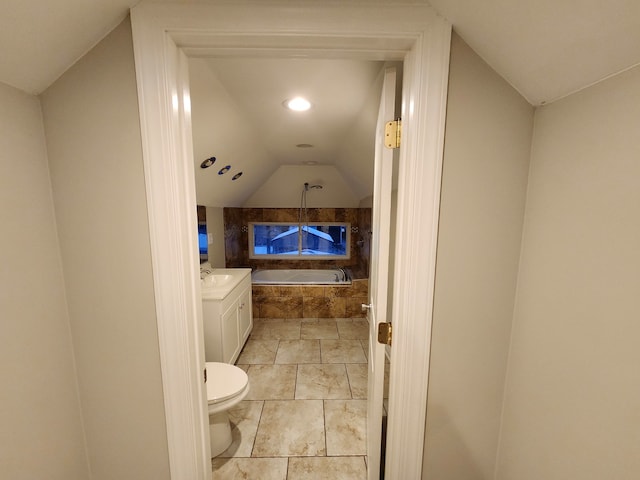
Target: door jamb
(163,35)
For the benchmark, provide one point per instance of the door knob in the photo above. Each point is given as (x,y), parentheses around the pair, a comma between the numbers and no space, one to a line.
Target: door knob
(366,306)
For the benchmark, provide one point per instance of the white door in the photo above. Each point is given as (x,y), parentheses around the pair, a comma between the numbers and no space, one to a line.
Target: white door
(379,272)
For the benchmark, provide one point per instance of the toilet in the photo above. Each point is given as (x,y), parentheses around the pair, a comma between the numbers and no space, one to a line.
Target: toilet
(227,385)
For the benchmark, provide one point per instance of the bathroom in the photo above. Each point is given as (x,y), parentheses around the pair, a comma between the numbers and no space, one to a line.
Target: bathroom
(558,386)
(245,175)
(268,167)
(307,169)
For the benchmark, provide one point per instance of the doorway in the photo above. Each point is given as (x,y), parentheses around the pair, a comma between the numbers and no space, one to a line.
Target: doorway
(306,359)
(163,37)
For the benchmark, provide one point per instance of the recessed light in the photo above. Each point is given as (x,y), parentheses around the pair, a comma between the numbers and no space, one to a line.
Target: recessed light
(304,145)
(224,170)
(297,104)
(208,162)
(237,176)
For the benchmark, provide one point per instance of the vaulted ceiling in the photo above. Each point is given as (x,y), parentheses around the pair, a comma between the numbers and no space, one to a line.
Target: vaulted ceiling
(40,39)
(546,49)
(239,118)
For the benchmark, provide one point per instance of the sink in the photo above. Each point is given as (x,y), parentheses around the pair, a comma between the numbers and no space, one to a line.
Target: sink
(221,281)
(216,280)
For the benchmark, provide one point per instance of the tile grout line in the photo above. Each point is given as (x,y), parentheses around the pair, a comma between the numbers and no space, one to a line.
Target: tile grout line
(255,438)
(348,380)
(324,426)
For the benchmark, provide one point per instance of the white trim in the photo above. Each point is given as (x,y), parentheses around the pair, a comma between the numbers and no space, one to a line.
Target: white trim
(421,153)
(162,33)
(170,185)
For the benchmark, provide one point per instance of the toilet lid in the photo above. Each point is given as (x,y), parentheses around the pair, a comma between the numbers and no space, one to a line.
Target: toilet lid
(224,381)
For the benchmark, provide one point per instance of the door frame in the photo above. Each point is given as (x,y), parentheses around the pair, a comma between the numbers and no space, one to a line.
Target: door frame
(163,36)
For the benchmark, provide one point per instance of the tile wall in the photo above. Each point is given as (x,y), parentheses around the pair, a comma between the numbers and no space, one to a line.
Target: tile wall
(303,301)
(309,301)
(236,221)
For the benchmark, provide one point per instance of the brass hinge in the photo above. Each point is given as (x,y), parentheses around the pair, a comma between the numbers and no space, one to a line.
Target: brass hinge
(384,333)
(392,133)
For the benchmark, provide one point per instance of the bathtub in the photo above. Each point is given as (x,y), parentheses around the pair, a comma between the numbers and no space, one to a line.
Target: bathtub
(335,276)
(307,294)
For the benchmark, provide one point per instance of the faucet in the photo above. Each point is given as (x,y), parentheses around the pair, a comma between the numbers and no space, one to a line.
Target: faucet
(344,274)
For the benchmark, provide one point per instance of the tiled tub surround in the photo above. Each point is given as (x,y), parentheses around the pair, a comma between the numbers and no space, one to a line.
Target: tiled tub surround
(310,301)
(236,238)
(305,415)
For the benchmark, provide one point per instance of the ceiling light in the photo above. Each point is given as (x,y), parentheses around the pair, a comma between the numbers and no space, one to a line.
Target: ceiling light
(298,104)
(208,162)
(304,145)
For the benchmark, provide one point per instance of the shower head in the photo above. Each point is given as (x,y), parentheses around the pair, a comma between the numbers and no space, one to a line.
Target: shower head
(308,187)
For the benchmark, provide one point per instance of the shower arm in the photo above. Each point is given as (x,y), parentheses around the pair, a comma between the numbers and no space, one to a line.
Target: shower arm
(303,205)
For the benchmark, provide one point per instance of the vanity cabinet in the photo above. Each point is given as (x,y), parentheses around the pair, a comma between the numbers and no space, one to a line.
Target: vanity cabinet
(227,322)
(245,315)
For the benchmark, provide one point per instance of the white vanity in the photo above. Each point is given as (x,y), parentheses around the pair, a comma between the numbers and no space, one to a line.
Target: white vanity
(227,313)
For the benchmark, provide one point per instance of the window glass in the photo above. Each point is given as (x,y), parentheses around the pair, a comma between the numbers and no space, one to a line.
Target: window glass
(311,241)
(202,241)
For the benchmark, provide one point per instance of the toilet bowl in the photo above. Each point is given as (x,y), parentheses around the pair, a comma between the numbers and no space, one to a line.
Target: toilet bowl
(227,385)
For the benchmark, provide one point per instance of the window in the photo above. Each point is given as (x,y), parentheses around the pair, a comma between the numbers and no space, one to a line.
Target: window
(202,241)
(307,241)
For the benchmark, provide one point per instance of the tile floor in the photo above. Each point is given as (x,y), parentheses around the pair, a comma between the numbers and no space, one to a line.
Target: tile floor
(305,415)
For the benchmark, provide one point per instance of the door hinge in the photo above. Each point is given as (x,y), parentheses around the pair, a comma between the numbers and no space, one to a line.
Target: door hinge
(205,374)
(392,133)
(384,333)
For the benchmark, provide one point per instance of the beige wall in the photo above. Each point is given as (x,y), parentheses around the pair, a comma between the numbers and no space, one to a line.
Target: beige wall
(572,404)
(283,189)
(487,145)
(93,140)
(41,430)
